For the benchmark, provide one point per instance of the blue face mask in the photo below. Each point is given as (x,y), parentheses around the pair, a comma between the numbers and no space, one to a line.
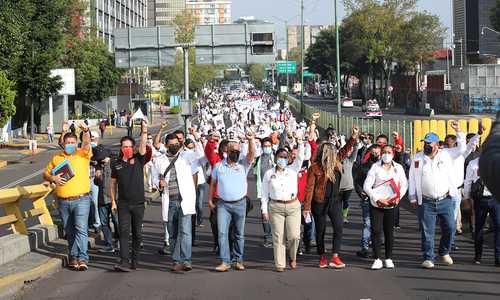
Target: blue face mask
(267,150)
(70,148)
(282,162)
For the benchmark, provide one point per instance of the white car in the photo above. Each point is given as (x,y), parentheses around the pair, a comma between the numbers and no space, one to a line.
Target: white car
(347,102)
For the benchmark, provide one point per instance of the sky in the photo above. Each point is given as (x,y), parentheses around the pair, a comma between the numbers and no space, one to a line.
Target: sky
(316,12)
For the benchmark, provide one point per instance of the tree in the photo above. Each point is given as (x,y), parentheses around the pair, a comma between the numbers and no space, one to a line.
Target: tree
(495,16)
(7,97)
(256,74)
(41,47)
(96,76)
(185,24)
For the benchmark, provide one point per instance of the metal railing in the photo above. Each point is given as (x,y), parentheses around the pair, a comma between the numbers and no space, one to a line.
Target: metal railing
(14,215)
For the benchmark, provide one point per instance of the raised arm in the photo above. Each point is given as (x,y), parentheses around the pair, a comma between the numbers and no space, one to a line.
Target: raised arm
(144,138)
(251,148)
(157,141)
(342,154)
(85,137)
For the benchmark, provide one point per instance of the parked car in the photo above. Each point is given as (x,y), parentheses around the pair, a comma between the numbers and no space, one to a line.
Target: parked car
(347,102)
(373,109)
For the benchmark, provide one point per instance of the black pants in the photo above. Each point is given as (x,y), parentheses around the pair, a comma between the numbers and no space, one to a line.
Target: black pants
(130,216)
(382,218)
(482,208)
(334,210)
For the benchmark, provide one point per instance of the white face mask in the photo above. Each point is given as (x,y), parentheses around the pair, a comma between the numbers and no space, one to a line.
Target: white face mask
(387,158)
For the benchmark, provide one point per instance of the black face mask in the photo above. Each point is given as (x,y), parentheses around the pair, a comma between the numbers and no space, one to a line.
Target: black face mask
(428,149)
(373,158)
(233,155)
(173,149)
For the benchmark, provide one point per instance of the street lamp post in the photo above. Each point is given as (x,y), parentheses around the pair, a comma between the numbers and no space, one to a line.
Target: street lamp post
(302,57)
(337,50)
(490,29)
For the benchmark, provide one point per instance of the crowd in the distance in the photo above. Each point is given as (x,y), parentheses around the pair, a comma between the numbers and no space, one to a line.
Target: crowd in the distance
(302,178)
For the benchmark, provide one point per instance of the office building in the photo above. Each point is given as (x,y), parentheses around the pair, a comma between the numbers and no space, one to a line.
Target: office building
(163,12)
(106,15)
(209,12)
(474,41)
(310,34)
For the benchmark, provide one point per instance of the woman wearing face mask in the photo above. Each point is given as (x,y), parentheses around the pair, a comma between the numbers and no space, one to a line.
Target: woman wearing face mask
(322,196)
(382,210)
(281,206)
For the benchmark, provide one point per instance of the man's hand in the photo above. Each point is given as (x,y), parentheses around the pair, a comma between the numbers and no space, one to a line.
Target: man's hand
(481,129)
(395,134)
(58,179)
(355,131)
(113,206)
(163,183)
(211,205)
(414,205)
(456,126)
(83,126)
(306,213)
(163,125)
(249,135)
(65,127)
(315,116)
(98,173)
(265,217)
(144,126)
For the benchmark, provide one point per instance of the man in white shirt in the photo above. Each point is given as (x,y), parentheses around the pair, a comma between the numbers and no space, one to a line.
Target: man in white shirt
(431,188)
(484,204)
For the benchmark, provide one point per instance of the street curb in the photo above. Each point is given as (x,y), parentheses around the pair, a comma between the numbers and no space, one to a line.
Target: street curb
(3,163)
(12,284)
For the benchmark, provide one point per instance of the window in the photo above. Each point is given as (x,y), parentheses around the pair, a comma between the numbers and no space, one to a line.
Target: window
(481,81)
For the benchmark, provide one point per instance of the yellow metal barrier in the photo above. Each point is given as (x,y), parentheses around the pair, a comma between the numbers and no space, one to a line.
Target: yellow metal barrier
(10,199)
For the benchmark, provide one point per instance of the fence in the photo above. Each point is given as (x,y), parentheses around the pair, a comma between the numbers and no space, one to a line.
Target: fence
(10,200)
(412,132)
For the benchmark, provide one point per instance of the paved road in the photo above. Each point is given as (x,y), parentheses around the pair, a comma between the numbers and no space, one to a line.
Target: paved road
(330,105)
(153,280)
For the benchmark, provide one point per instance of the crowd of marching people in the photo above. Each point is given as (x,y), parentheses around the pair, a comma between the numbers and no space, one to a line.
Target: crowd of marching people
(304,180)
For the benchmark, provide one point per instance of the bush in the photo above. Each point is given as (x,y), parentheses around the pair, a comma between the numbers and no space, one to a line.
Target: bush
(175,110)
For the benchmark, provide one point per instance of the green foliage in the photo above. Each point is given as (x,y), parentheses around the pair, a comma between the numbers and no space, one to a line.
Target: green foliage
(256,74)
(495,16)
(95,73)
(185,24)
(7,96)
(175,110)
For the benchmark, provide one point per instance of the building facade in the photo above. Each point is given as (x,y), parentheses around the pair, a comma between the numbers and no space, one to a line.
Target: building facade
(474,43)
(106,15)
(163,12)
(209,12)
(310,34)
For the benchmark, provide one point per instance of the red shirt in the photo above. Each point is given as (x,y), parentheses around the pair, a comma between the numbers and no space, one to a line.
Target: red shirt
(302,184)
(314,147)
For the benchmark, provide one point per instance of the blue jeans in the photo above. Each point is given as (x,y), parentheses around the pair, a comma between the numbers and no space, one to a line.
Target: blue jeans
(481,210)
(366,231)
(179,229)
(428,212)
(237,213)
(199,202)
(104,214)
(268,235)
(94,208)
(309,233)
(75,216)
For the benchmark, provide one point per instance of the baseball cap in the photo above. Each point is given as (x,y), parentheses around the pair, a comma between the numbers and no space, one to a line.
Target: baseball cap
(431,137)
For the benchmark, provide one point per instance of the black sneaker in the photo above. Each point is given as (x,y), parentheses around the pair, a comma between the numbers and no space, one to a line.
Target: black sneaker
(121,267)
(188,267)
(363,253)
(267,244)
(133,264)
(497,263)
(106,250)
(477,260)
(165,250)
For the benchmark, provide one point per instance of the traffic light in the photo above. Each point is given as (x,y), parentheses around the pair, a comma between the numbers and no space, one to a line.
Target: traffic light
(262,43)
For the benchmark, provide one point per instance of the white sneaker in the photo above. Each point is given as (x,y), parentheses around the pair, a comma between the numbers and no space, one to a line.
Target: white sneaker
(428,264)
(389,264)
(447,260)
(377,264)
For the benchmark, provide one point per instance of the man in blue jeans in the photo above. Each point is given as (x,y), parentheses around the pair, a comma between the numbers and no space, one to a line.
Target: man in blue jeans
(431,190)
(69,170)
(231,177)
(178,199)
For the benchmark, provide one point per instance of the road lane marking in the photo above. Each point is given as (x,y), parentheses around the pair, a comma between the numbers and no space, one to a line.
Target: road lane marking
(23,179)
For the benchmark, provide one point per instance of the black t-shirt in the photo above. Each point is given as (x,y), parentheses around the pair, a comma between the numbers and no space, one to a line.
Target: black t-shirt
(130,180)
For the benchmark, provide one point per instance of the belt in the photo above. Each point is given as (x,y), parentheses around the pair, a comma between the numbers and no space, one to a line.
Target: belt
(428,199)
(284,201)
(73,198)
(233,202)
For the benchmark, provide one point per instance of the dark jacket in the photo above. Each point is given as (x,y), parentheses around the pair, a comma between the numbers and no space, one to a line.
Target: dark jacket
(489,162)
(359,179)
(317,183)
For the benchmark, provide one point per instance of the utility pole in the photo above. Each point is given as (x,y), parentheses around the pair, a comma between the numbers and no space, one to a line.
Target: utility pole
(286,57)
(186,83)
(301,57)
(337,50)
